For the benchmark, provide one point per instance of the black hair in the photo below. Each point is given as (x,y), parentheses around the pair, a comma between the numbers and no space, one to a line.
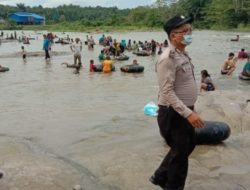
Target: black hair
(205,73)
(230,54)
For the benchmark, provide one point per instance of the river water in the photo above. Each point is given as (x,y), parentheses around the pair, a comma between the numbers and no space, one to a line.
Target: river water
(59,129)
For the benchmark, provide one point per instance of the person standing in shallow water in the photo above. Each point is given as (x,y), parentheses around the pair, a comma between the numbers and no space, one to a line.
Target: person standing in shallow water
(91,66)
(177,119)
(76,48)
(23,53)
(46,46)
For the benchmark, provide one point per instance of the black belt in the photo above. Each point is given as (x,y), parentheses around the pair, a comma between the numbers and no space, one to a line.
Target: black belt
(161,106)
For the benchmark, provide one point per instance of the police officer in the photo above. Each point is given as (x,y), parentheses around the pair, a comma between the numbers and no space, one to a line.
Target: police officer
(177,96)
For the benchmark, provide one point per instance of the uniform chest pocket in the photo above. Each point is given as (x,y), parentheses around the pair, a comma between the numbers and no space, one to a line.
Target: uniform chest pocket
(186,67)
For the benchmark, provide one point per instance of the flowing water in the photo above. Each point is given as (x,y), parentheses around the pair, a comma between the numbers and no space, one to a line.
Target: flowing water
(59,129)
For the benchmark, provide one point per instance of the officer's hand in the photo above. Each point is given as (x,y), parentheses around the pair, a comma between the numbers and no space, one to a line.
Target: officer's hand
(195,120)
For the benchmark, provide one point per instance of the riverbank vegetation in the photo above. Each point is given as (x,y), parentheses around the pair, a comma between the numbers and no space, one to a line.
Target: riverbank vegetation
(208,14)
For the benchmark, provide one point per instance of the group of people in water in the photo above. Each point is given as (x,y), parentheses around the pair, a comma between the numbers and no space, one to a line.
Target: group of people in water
(114,50)
(230,63)
(228,68)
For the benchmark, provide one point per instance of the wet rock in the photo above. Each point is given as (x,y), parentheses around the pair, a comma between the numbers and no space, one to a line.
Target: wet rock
(1,174)
(77,187)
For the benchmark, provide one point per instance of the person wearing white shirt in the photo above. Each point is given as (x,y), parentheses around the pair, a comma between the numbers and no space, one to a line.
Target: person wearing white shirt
(76,48)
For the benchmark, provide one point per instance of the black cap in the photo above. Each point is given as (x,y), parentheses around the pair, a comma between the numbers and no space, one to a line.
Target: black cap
(176,22)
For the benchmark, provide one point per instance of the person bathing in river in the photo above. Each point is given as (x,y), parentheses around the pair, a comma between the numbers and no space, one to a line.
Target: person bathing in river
(206,82)
(91,66)
(135,62)
(107,65)
(229,65)
(23,53)
(46,46)
(242,54)
(236,39)
(91,43)
(77,48)
(246,68)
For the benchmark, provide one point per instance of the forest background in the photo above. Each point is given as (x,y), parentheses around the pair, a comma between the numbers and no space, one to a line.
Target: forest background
(208,14)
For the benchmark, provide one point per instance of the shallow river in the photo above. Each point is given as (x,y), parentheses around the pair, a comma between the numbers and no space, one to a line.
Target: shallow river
(59,129)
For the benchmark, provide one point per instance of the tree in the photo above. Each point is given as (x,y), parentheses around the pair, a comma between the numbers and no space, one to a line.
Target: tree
(160,3)
(62,18)
(21,7)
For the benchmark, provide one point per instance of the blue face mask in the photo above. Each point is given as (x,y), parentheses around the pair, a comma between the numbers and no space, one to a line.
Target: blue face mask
(187,39)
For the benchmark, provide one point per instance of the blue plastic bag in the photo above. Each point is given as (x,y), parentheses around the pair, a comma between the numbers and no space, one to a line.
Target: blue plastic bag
(151,109)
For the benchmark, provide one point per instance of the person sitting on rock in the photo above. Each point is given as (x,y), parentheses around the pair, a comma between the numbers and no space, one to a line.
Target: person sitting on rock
(206,82)
(229,65)
(246,68)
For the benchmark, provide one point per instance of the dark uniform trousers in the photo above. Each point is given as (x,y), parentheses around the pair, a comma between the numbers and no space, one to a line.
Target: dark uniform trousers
(180,136)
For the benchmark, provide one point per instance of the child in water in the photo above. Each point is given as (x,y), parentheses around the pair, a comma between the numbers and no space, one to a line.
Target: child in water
(91,65)
(23,53)
(206,82)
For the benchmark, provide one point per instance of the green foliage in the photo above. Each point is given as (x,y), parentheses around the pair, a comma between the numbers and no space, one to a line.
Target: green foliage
(208,14)
(21,7)
(218,13)
(10,26)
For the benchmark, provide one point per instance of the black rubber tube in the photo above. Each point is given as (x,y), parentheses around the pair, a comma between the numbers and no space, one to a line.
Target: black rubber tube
(4,69)
(213,132)
(132,68)
(98,68)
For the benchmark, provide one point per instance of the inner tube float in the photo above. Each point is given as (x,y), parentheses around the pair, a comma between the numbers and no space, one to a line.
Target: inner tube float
(234,40)
(132,69)
(4,69)
(213,132)
(98,68)
(142,53)
(65,43)
(76,66)
(122,58)
(243,77)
